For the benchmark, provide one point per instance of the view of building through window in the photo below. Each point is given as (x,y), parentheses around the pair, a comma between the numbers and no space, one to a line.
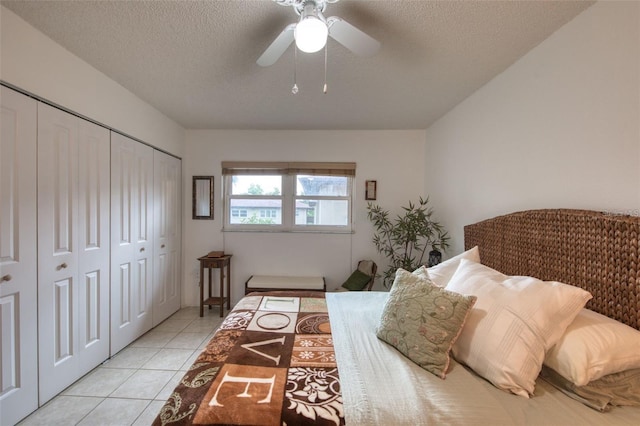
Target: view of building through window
(317,200)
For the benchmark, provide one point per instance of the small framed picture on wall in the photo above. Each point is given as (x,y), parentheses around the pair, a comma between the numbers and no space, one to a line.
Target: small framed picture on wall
(370,190)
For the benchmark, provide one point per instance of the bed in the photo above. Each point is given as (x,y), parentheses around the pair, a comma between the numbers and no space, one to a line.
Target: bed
(314,358)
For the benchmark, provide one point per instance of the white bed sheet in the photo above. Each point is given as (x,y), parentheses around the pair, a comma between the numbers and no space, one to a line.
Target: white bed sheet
(382,387)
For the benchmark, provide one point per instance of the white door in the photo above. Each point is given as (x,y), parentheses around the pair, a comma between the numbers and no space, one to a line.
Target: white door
(73,248)
(166,259)
(18,277)
(93,244)
(131,233)
(57,251)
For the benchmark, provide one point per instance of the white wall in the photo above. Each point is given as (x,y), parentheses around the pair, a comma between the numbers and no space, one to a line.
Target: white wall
(33,62)
(393,158)
(558,129)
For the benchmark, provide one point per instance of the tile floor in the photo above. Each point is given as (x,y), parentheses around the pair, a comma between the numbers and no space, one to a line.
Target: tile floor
(131,387)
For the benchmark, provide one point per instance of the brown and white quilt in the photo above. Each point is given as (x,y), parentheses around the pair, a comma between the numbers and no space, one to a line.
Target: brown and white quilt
(271,362)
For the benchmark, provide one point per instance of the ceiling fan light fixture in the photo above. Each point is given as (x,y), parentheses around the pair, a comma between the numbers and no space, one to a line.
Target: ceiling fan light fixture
(311,32)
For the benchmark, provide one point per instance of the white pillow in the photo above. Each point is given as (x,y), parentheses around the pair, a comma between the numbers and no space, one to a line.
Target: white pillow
(594,346)
(441,273)
(514,322)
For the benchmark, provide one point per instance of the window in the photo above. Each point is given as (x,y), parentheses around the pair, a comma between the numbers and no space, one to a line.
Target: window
(268,213)
(238,213)
(288,196)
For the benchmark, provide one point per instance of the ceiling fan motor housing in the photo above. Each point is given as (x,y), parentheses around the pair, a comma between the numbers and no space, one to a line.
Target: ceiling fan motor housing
(300,5)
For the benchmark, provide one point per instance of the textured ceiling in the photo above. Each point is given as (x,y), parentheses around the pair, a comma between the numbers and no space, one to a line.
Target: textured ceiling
(196,60)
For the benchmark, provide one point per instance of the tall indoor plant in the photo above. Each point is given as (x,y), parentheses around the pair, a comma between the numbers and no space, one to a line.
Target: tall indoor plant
(405,239)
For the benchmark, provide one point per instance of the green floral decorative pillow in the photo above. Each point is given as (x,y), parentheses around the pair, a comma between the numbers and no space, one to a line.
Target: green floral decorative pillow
(423,321)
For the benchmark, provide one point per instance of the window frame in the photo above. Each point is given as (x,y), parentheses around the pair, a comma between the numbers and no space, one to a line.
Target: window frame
(228,196)
(288,173)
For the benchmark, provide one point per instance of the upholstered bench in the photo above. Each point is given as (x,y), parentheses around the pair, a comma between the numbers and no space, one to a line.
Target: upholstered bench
(274,282)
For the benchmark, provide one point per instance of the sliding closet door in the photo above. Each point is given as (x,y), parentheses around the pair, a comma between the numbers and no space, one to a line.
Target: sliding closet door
(131,233)
(73,248)
(166,259)
(18,277)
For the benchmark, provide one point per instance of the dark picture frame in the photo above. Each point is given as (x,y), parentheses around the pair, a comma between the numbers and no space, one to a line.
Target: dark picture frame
(370,192)
(202,197)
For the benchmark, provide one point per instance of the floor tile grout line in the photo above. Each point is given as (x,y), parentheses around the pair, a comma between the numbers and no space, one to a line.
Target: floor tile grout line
(213,324)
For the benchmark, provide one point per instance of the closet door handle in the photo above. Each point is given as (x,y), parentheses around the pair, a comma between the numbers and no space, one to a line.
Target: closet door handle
(141,249)
(6,278)
(162,246)
(61,266)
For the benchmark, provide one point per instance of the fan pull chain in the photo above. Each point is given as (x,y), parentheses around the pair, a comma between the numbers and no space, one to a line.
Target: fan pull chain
(294,89)
(324,90)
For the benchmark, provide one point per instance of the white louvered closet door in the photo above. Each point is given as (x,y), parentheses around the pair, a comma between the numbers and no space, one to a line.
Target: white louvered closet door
(131,235)
(166,260)
(18,272)
(73,248)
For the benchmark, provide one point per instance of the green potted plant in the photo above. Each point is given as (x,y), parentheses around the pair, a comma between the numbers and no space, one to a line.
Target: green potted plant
(404,241)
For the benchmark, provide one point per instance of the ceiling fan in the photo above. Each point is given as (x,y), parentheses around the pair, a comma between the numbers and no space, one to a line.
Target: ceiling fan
(311,31)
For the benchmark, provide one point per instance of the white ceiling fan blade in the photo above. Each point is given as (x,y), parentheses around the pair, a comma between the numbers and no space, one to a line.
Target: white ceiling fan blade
(278,47)
(352,38)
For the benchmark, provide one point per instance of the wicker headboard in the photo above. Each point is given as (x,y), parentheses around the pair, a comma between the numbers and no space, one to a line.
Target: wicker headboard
(596,251)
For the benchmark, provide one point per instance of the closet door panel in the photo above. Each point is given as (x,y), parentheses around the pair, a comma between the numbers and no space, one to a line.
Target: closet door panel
(73,248)
(93,328)
(142,285)
(62,306)
(18,272)
(123,302)
(123,158)
(167,196)
(131,249)
(57,252)
(93,243)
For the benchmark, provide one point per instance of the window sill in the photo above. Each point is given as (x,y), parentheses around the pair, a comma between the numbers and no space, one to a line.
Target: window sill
(291,231)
